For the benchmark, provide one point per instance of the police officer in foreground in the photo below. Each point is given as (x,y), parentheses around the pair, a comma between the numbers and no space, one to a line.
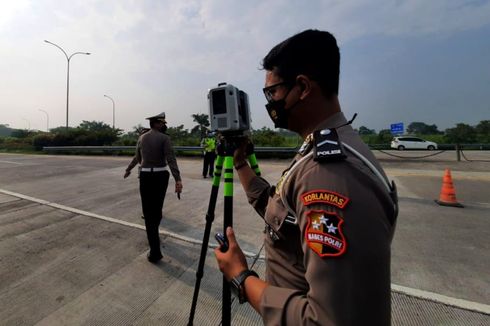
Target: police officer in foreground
(331,217)
(155,154)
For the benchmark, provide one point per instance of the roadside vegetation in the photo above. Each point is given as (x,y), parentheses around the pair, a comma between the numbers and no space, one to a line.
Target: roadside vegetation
(94,133)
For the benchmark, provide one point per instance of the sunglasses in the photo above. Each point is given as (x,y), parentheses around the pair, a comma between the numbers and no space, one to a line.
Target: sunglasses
(269,91)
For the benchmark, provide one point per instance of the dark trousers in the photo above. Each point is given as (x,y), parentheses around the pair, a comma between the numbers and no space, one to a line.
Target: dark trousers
(208,163)
(153,187)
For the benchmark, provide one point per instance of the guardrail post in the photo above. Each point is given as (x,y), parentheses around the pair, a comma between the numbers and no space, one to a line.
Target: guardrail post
(458,154)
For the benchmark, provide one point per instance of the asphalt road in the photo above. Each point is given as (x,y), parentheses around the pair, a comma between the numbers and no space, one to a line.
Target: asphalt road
(443,250)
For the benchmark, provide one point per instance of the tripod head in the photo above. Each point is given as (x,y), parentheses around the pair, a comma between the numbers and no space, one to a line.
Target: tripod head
(228,143)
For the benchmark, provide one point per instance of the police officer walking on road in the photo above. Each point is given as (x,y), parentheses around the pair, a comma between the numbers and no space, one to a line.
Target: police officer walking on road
(208,144)
(331,217)
(155,154)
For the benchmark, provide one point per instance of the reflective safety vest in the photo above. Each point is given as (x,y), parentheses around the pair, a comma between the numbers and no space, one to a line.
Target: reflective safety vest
(209,144)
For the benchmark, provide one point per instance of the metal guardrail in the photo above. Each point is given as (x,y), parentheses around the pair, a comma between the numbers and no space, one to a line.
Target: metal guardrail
(286,150)
(104,149)
(87,148)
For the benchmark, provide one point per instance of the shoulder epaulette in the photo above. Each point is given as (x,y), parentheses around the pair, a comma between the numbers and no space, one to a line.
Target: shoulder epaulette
(327,146)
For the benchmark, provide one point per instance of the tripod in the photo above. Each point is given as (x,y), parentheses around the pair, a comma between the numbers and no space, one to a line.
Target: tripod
(224,162)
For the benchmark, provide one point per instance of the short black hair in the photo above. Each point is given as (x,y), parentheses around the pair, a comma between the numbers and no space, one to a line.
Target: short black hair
(312,53)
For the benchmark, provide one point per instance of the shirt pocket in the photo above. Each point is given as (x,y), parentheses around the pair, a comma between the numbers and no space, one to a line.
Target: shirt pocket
(275,213)
(283,237)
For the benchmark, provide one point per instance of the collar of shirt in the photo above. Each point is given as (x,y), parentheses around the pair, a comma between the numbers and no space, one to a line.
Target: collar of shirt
(334,121)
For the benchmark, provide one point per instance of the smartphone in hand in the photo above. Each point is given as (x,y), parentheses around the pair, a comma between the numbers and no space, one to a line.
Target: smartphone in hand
(222,241)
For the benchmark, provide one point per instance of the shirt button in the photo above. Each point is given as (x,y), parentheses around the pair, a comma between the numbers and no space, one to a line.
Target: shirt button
(276,220)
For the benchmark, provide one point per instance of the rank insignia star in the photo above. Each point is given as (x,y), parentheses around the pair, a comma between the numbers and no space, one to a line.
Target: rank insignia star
(323,220)
(316,225)
(331,228)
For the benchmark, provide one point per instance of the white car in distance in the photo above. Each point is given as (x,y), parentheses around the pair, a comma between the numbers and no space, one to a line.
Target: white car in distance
(407,142)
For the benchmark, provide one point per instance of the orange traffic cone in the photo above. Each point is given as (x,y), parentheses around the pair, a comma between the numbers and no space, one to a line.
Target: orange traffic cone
(448,195)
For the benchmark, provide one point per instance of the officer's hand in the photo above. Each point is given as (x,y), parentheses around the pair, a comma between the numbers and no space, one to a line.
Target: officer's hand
(232,262)
(126,174)
(240,153)
(178,187)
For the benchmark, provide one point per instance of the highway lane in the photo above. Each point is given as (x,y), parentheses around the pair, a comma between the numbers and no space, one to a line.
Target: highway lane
(438,249)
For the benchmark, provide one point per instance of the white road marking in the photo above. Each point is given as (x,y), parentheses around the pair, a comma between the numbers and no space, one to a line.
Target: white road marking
(435,297)
(10,162)
(402,190)
(463,175)
(450,301)
(113,220)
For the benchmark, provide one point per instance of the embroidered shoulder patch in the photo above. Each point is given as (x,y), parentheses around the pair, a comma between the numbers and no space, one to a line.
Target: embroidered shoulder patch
(324,197)
(324,233)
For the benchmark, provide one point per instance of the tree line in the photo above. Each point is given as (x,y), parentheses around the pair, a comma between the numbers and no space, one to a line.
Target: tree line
(96,133)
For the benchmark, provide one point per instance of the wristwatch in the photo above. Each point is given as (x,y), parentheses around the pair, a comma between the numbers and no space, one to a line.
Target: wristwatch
(237,284)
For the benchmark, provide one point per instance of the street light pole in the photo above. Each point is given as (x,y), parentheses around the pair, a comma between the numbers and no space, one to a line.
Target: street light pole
(47,119)
(28,124)
(67,74)
(113,111)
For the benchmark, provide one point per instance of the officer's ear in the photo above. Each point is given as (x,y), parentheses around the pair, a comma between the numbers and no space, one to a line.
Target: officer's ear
(304,83)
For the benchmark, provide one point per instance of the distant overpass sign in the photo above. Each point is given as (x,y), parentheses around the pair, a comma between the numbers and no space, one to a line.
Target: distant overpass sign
(397,128)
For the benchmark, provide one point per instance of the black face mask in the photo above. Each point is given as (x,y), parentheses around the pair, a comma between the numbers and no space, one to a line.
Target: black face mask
(278,113)
(163,129)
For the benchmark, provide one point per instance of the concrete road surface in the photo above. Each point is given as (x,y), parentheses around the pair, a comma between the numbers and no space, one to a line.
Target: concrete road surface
(71,232)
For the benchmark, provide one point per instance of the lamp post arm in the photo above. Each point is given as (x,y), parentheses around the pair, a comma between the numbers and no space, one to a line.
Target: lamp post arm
(86,53)
(59,47)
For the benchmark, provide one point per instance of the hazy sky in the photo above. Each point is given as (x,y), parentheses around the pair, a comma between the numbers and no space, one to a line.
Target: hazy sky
(401,61)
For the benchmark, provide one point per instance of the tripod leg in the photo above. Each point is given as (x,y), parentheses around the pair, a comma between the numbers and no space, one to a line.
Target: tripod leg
(217,170)
(207,231)
(228,221)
